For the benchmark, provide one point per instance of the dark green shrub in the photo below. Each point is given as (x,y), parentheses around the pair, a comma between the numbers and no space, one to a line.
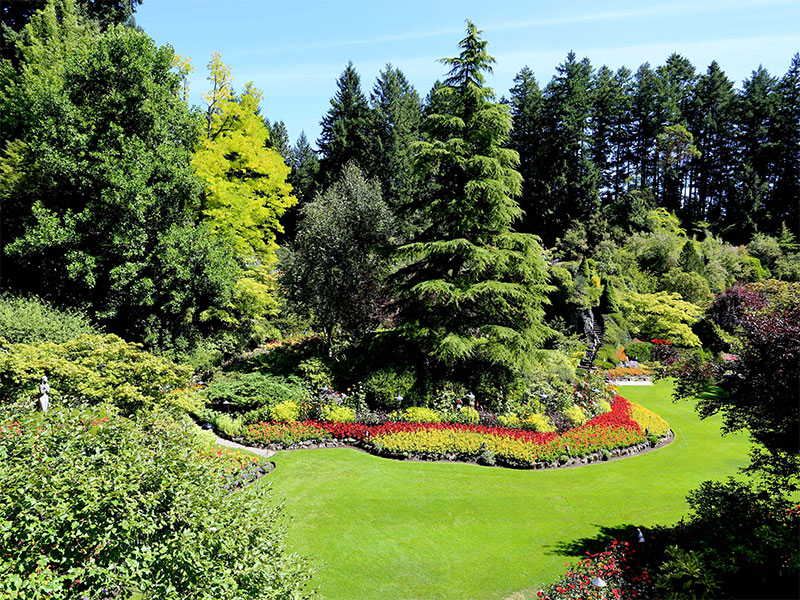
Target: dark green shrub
(653,440)
(251,390)
(641,351)
(606,454)
(385,385)
(27,320)
(684,575)
(93,505)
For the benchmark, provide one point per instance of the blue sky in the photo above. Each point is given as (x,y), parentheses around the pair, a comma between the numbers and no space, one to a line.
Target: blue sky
(295,51)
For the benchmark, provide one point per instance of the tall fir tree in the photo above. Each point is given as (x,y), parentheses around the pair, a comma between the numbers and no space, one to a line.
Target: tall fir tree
(397,114)
(573,187)
(527,105)
(470,288)
(712,123)
(347,129)
(785,203)
(304,180)
(279,140)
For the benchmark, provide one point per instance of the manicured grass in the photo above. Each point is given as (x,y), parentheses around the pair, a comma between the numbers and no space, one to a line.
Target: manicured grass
(382,529)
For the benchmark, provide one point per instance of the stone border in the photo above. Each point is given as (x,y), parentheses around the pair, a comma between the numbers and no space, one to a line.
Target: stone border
(595,457)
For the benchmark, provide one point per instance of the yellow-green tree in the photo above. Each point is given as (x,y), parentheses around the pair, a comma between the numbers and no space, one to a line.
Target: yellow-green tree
(246,191)
(245,187)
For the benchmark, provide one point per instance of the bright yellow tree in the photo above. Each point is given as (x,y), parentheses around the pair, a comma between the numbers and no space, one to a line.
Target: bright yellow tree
(246,191)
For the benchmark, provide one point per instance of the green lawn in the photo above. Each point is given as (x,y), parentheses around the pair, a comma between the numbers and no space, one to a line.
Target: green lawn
(386,529)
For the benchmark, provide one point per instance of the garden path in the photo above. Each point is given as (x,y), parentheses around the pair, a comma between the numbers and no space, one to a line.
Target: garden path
(229,444)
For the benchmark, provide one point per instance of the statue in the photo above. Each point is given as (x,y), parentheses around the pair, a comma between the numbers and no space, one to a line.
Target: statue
(44,391)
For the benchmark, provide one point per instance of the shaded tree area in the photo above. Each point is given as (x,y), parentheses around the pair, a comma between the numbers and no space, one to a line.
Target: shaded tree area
(722,159)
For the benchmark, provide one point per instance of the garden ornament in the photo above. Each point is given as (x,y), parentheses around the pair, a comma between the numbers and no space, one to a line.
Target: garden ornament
(44,391)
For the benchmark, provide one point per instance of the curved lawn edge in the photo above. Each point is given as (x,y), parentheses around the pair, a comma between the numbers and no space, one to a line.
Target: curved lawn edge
(619,418)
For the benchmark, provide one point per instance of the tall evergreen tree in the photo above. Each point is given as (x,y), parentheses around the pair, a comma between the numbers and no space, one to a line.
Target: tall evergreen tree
(573,190)
(471,289)
(785,204)
(647,124)
(347,129)
(304,178)
(279,140)
(397,114)
(526,138)
(712,123)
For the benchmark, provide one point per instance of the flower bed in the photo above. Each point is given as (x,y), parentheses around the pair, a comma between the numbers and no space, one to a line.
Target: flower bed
(235,469)
(610,431)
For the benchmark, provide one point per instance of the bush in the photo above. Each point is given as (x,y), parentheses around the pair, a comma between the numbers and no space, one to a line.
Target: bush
(251,390)
(466,415)
(639,351)
(487,458)
(316,372)
(575,415)
(90,368)
(29,320)
(122,498)
(337,414)
(287,412)
(385,385)
(417,414)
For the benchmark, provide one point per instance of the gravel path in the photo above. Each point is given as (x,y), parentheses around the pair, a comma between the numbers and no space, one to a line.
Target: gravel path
(230,444)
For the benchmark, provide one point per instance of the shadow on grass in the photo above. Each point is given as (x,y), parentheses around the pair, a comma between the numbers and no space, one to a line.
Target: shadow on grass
(598,543)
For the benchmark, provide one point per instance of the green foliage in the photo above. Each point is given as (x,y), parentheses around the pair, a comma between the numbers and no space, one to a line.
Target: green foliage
(466,415)
(121,499)
(487,458)
(336,270)
(252,390)
(417,414)
(316,371)
(26,320)
(470,288)
(662,316)
(575,415)
(385,385)
(286,411)
(691,286)
(337,414)
(640,351)
(90,368)
(96,147)
(684,574)
(245,180)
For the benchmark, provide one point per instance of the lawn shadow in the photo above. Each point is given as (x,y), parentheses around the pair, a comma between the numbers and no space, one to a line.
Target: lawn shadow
(598,543)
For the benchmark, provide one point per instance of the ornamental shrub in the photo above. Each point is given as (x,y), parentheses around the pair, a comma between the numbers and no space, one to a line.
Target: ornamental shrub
(466,415)
(337,414)
(385,385)
(417,414)
(251,390)
(575,415)
(94,505)
(90,368)
(287,412)
(639,351)
(28,320)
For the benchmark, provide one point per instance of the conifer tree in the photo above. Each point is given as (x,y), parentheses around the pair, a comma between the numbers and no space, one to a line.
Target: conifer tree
(526,138)
(279,140)
(397,114)
(785,205)
(471,288)
(347,129)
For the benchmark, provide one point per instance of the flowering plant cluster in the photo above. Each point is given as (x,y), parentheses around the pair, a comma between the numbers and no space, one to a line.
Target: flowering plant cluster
(661,342)
(235,469)
(617,372)
(618,568)
(282,433)
(616,428)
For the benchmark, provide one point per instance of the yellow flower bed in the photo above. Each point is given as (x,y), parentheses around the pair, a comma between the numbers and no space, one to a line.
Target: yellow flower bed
(646,418)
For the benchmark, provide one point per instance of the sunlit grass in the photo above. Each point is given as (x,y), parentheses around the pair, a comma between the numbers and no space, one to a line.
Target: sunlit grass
(386,529)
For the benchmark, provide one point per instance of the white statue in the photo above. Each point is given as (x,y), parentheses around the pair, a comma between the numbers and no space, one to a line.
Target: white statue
(44,391)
